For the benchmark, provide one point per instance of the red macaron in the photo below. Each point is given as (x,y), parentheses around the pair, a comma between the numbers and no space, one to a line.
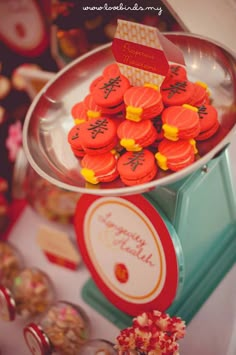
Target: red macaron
(98,135)
(74,139)
(99,168)
(137,167)
(134,136)
(109,91)
(180,122)
(142,102)
(201,94)
(209,123)
(176,73)
(79,112)
(175,93)
(175,155)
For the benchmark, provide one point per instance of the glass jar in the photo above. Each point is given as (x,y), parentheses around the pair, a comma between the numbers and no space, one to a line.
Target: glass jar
(62,330)
(11,262)
(98,347)
(48,200)
(30,294)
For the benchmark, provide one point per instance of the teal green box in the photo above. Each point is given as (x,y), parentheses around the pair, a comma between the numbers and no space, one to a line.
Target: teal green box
(201,211)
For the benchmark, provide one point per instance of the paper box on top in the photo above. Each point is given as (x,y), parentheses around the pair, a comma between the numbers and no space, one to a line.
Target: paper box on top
(143,53)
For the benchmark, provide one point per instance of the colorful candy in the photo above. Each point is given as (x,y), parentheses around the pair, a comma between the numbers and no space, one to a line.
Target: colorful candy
(49,200)
(10,263)
(30,294)
(63,330)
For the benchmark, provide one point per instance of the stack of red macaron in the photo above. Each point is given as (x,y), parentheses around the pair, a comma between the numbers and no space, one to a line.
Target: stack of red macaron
(130,131)
(143,102)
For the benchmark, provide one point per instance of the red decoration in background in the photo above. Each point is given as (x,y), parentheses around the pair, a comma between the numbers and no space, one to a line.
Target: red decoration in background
(23,27)
(14,140)
(15,208)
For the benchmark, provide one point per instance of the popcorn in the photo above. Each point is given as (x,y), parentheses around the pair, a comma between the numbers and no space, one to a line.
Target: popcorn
(152,333)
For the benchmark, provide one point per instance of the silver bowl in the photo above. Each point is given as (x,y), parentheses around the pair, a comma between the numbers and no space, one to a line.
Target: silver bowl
(48,120)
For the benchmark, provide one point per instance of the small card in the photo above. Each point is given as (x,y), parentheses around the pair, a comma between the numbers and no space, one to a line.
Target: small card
(143,53)
(58,247)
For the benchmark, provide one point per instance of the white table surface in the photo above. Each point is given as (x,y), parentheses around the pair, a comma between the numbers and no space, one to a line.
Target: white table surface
(211,332)
(214,19)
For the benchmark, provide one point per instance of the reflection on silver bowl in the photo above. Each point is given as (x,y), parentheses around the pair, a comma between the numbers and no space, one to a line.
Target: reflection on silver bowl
(48,120)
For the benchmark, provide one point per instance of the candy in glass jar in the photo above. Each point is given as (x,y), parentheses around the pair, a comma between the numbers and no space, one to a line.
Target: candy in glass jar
(98,347)
(11,262)
(48,200)
(62,330)
(53,203)
(29,295)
